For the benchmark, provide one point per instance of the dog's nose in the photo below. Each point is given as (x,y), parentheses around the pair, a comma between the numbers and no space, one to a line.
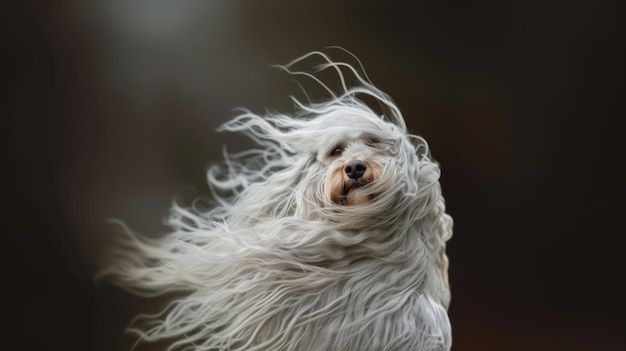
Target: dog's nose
(355,169)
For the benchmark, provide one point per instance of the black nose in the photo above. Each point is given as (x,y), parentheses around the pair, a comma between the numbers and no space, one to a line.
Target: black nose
(355,169)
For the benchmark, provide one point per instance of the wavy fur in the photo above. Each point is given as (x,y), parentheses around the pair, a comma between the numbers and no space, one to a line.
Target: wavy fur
(279,263)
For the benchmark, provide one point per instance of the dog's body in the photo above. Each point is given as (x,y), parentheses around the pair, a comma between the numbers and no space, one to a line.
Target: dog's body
(330,236)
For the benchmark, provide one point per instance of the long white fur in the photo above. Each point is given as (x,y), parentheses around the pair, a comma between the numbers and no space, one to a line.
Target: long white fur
(275,265)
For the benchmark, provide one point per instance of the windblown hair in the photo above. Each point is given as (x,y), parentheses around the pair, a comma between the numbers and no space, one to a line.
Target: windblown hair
(294,254)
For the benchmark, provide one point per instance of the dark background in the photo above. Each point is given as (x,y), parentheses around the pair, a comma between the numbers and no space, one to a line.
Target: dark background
(111,108)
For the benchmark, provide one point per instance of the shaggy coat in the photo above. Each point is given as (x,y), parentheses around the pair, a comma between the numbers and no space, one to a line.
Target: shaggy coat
(297,253)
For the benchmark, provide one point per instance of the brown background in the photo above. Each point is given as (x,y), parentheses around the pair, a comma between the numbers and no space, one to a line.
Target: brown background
(111,108)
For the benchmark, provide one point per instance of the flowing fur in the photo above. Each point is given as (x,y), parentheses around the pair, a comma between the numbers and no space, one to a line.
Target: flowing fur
(279,262)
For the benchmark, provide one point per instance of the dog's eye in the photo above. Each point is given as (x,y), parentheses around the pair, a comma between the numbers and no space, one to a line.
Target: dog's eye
(338,150)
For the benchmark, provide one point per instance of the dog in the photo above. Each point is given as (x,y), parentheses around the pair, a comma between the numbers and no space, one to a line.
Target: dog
(330,235)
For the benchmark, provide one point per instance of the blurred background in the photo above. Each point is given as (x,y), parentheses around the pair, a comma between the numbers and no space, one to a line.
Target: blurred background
(110,110)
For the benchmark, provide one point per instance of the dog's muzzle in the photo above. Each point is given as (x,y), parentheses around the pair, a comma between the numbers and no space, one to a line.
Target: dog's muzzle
(355,170)
(346,180)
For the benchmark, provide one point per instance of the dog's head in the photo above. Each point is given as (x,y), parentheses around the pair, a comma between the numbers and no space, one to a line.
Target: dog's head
(346,160)
(358,154)
(360,163)
(337,157)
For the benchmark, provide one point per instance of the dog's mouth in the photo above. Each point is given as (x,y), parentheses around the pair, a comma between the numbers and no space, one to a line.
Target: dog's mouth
(350,194)
(353,185)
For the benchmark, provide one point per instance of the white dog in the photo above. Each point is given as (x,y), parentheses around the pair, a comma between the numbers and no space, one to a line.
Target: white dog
(330,236)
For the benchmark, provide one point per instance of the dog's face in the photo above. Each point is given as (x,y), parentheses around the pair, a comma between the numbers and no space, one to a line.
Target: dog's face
(362,161)
(353,165)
